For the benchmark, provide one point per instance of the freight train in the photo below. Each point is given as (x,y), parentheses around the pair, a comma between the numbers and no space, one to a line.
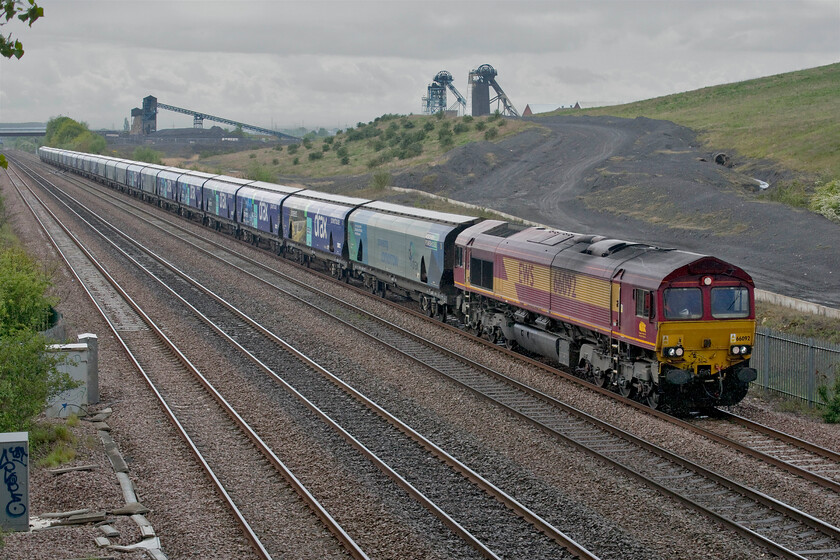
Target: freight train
(670,328)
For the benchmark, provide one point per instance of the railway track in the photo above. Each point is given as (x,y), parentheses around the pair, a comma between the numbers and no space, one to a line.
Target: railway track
(793,455)
(511,526)
(533,407)
(141,339)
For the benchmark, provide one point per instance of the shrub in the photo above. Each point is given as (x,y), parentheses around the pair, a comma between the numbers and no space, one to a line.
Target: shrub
(460,128)
(826,200)
(275,161)
(296,161)
(316,155)
(293,148)
(480,125)
(412,150)
(279,147)
(467,118)
(345,160)
(258,172)
(28,379)
(252,156)
(24,305)
(325,147)
(491,133)
(831,412)
(145,153)
(380,180)
(429,126)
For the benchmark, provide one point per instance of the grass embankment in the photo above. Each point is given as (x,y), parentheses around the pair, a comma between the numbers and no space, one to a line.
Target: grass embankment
(388,143)
(788,119)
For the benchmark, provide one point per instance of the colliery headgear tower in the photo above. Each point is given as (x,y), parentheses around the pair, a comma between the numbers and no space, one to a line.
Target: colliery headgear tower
(435,100)
(481,80)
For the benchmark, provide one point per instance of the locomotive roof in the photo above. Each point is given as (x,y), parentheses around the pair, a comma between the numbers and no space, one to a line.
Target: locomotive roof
(643,265)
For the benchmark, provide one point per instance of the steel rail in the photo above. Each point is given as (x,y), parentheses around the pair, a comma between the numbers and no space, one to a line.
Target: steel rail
(496,492)
(349,544)
(542,525)
(797,470)
(666,452)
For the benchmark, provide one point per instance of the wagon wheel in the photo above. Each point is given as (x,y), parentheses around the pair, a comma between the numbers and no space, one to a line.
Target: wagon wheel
(441,313)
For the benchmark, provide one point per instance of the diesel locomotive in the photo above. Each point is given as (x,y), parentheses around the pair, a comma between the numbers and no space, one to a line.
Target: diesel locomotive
(670,328)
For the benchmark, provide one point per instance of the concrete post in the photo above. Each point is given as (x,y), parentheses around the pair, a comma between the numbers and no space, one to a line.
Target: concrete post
(14,485)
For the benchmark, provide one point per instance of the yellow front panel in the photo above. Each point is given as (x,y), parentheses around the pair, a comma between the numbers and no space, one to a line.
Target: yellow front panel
(705,342)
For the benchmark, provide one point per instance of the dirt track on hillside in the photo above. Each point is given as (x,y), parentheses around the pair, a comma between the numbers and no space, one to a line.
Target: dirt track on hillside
(644,180)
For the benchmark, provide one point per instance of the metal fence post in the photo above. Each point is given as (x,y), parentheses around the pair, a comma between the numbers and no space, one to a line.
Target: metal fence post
(812,372)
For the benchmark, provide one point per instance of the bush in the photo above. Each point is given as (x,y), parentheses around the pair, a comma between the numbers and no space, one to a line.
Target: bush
(252,156)
(145,153)
(467,118)
(480,125)
(27,379)
(380,180)
(412,150)
(826,200)
(258,172)
(345,160)
(491,133)
(316,155)
(296,161)
(279,147)
(293,148)
(429,126)
(460,128)
(24,305)
(325,147)
(831,412)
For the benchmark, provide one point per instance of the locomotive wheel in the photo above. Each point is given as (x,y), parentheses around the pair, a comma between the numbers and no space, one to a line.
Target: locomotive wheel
(599,377)
(654,397)
(625,388)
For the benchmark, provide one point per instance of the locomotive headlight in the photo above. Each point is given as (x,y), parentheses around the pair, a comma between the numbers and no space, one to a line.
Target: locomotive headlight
(673,352)
(740,350)
(680,351)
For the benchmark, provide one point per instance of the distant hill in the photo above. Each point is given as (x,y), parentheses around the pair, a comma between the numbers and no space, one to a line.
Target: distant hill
(791,119)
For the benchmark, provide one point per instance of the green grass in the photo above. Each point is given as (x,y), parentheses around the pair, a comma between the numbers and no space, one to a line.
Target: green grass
(381,151)
(789,118)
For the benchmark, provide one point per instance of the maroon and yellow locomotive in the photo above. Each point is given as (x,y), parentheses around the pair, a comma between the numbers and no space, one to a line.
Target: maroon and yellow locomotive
(669,327)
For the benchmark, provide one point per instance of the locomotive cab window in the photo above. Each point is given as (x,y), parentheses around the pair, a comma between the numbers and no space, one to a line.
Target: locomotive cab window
(683,303)
(730,303)
(459,257)
(642,298)
(481,273)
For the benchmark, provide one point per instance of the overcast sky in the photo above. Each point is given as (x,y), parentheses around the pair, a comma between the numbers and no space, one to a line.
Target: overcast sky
(332,64)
